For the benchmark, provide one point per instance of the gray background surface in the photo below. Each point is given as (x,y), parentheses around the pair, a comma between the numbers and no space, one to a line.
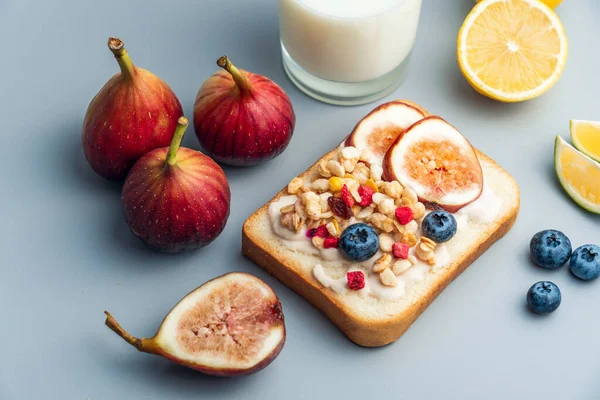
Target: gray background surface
(67,254)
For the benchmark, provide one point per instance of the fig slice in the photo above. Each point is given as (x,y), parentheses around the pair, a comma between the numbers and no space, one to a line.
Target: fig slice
(435,160)
(231,325)
(379,129)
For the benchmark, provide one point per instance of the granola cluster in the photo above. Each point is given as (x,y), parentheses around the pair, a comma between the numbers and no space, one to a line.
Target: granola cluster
(348,190)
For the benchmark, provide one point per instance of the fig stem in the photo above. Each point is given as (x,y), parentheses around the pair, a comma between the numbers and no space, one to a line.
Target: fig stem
(182,124)
(240,79)
(140,344)
(117,47)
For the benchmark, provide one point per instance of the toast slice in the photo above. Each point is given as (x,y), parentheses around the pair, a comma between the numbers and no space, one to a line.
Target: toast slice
(366,319)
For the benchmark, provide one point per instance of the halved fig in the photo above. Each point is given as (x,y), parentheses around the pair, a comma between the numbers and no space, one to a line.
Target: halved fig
(232,325)
(434,159)
(380,128)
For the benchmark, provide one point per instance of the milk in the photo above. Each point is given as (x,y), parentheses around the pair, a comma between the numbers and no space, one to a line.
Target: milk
(348,40)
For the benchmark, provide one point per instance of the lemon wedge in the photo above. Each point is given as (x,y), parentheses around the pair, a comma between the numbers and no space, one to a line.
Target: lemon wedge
(585,135)
(512,50)
(578,174)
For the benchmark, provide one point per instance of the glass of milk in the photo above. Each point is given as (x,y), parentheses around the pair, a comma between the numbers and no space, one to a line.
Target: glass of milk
(347,52)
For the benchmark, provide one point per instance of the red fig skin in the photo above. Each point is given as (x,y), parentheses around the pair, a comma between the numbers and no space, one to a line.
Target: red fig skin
(134,113)
(242,118)
(176,207)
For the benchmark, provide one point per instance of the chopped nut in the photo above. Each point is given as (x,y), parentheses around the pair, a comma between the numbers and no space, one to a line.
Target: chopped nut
(410,195)
(326,215)
(287,221)
(409,238)
(299,206)
(349,157)
(366,154)
(313,223)
(295,185)
(393,189)
(332,228)
(309,197)
(323,201)
(320,185)
(398,237)
(323,170)
(406,202)
(379,197)
(418,210)
(297,222)
(401,266)
(424,253)
(313,210)
(355,210)
(287,209)
(336,168)
(382,222)
(385,242)
(365,213)
(350,152)
(354,193)
(428,241)
(399,227)
(382,263)
(388,278)
(376,172)
(412,226)
(312,204)
(387,207)
(351,183)
(362,173)
(412,259)
(318,242)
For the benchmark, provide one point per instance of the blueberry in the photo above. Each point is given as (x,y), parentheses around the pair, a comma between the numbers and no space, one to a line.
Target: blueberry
(585,262)
(439,226)
(359,242)
(543,297)
(550,249)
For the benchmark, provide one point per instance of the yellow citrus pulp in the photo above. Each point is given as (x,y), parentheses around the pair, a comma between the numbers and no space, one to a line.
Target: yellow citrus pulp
(585,135)
(512,50)
(578,174)
(549,3)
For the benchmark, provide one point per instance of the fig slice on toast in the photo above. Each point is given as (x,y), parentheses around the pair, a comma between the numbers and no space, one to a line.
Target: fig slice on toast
(435,160)
(379,129)
(231,325)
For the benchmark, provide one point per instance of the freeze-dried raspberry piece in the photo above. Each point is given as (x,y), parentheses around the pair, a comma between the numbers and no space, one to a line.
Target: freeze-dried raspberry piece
(404,215)
(366,195)
(347,197)
(400,250)
(331,242)
(356,280)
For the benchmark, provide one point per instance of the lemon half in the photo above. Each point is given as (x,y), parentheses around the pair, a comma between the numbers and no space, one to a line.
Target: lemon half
(585,135)
(512,50)
(578,174)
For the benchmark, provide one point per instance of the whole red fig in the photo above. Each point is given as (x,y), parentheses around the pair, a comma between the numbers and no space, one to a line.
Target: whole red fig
(133,113)
(242,118)
(175,198)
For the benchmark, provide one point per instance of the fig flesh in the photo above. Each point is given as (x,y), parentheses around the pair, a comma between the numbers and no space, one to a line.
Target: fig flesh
(375,133)
(176,199)
(231,325)
(134,113)
(242,118)
(435,160)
